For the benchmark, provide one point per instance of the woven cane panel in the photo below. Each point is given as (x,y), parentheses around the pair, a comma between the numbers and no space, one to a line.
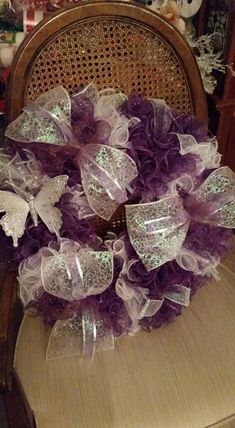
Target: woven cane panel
(111,53)
(117,223)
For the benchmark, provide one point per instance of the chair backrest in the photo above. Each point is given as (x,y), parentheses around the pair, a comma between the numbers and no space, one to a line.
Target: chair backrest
(113,44)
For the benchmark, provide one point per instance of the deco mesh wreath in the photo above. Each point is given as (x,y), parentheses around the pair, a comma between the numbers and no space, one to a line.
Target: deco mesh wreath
(66,162)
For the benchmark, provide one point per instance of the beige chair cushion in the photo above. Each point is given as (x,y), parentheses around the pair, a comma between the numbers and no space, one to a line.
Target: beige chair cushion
(180,376)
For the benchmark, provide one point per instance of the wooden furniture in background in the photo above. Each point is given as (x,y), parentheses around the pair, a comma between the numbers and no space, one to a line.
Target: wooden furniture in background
(14,405)
(219,16)
(113,44)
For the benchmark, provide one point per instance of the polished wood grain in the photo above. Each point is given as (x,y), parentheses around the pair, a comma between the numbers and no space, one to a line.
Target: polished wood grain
(10,317)
(180,376)
(19,413)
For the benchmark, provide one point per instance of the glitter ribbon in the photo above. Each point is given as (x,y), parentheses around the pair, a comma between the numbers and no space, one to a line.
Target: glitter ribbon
(137,303)
(157,230)
(82,336)
(70,272)
(180,295)
(106,172)
(214,201)
(25,174)
(208,156)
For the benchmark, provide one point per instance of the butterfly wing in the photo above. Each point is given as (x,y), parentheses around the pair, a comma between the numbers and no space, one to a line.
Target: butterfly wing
(47,198)
(16,212)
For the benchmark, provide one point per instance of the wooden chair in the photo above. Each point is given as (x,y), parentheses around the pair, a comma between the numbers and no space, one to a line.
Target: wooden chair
(113,44)
(130,48)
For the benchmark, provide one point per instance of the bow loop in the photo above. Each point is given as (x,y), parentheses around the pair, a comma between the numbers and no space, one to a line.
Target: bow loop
(207,151)
(185,182)
(106,173)
(205,266)
(214,201)
(26,174)
(76,275)
(70,273)
(80,336)
(137,303)
(157,230)
(36,125)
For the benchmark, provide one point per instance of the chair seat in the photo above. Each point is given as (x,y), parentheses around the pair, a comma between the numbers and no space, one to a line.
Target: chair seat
(180,376)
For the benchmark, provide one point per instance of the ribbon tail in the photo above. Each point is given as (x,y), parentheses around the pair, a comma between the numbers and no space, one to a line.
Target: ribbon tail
(66,339)
(79,336)
(181,295)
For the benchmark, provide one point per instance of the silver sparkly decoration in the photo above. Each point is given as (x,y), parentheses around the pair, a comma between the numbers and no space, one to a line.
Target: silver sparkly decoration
(73,276)
(157,230)
(16,208)
(79,336)
(66,339)
(218,190)
(105,170)
(180,295)
(33,126)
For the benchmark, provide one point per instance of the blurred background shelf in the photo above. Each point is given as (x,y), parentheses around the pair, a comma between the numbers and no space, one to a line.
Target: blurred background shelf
(219,16)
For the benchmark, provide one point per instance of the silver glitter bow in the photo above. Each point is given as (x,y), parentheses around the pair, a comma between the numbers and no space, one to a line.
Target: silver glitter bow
(157,230)
(36,122)
(214,201)
(70,272)
(81,336)
(106,172)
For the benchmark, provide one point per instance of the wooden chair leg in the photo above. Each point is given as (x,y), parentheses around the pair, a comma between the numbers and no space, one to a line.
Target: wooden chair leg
(13,404)
(3,412)
(19,413)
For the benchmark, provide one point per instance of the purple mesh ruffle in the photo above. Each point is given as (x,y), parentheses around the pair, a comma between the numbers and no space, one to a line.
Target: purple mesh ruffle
(155,149)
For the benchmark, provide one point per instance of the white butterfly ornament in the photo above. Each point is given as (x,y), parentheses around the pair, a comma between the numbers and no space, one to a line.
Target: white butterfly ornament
(17,208)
